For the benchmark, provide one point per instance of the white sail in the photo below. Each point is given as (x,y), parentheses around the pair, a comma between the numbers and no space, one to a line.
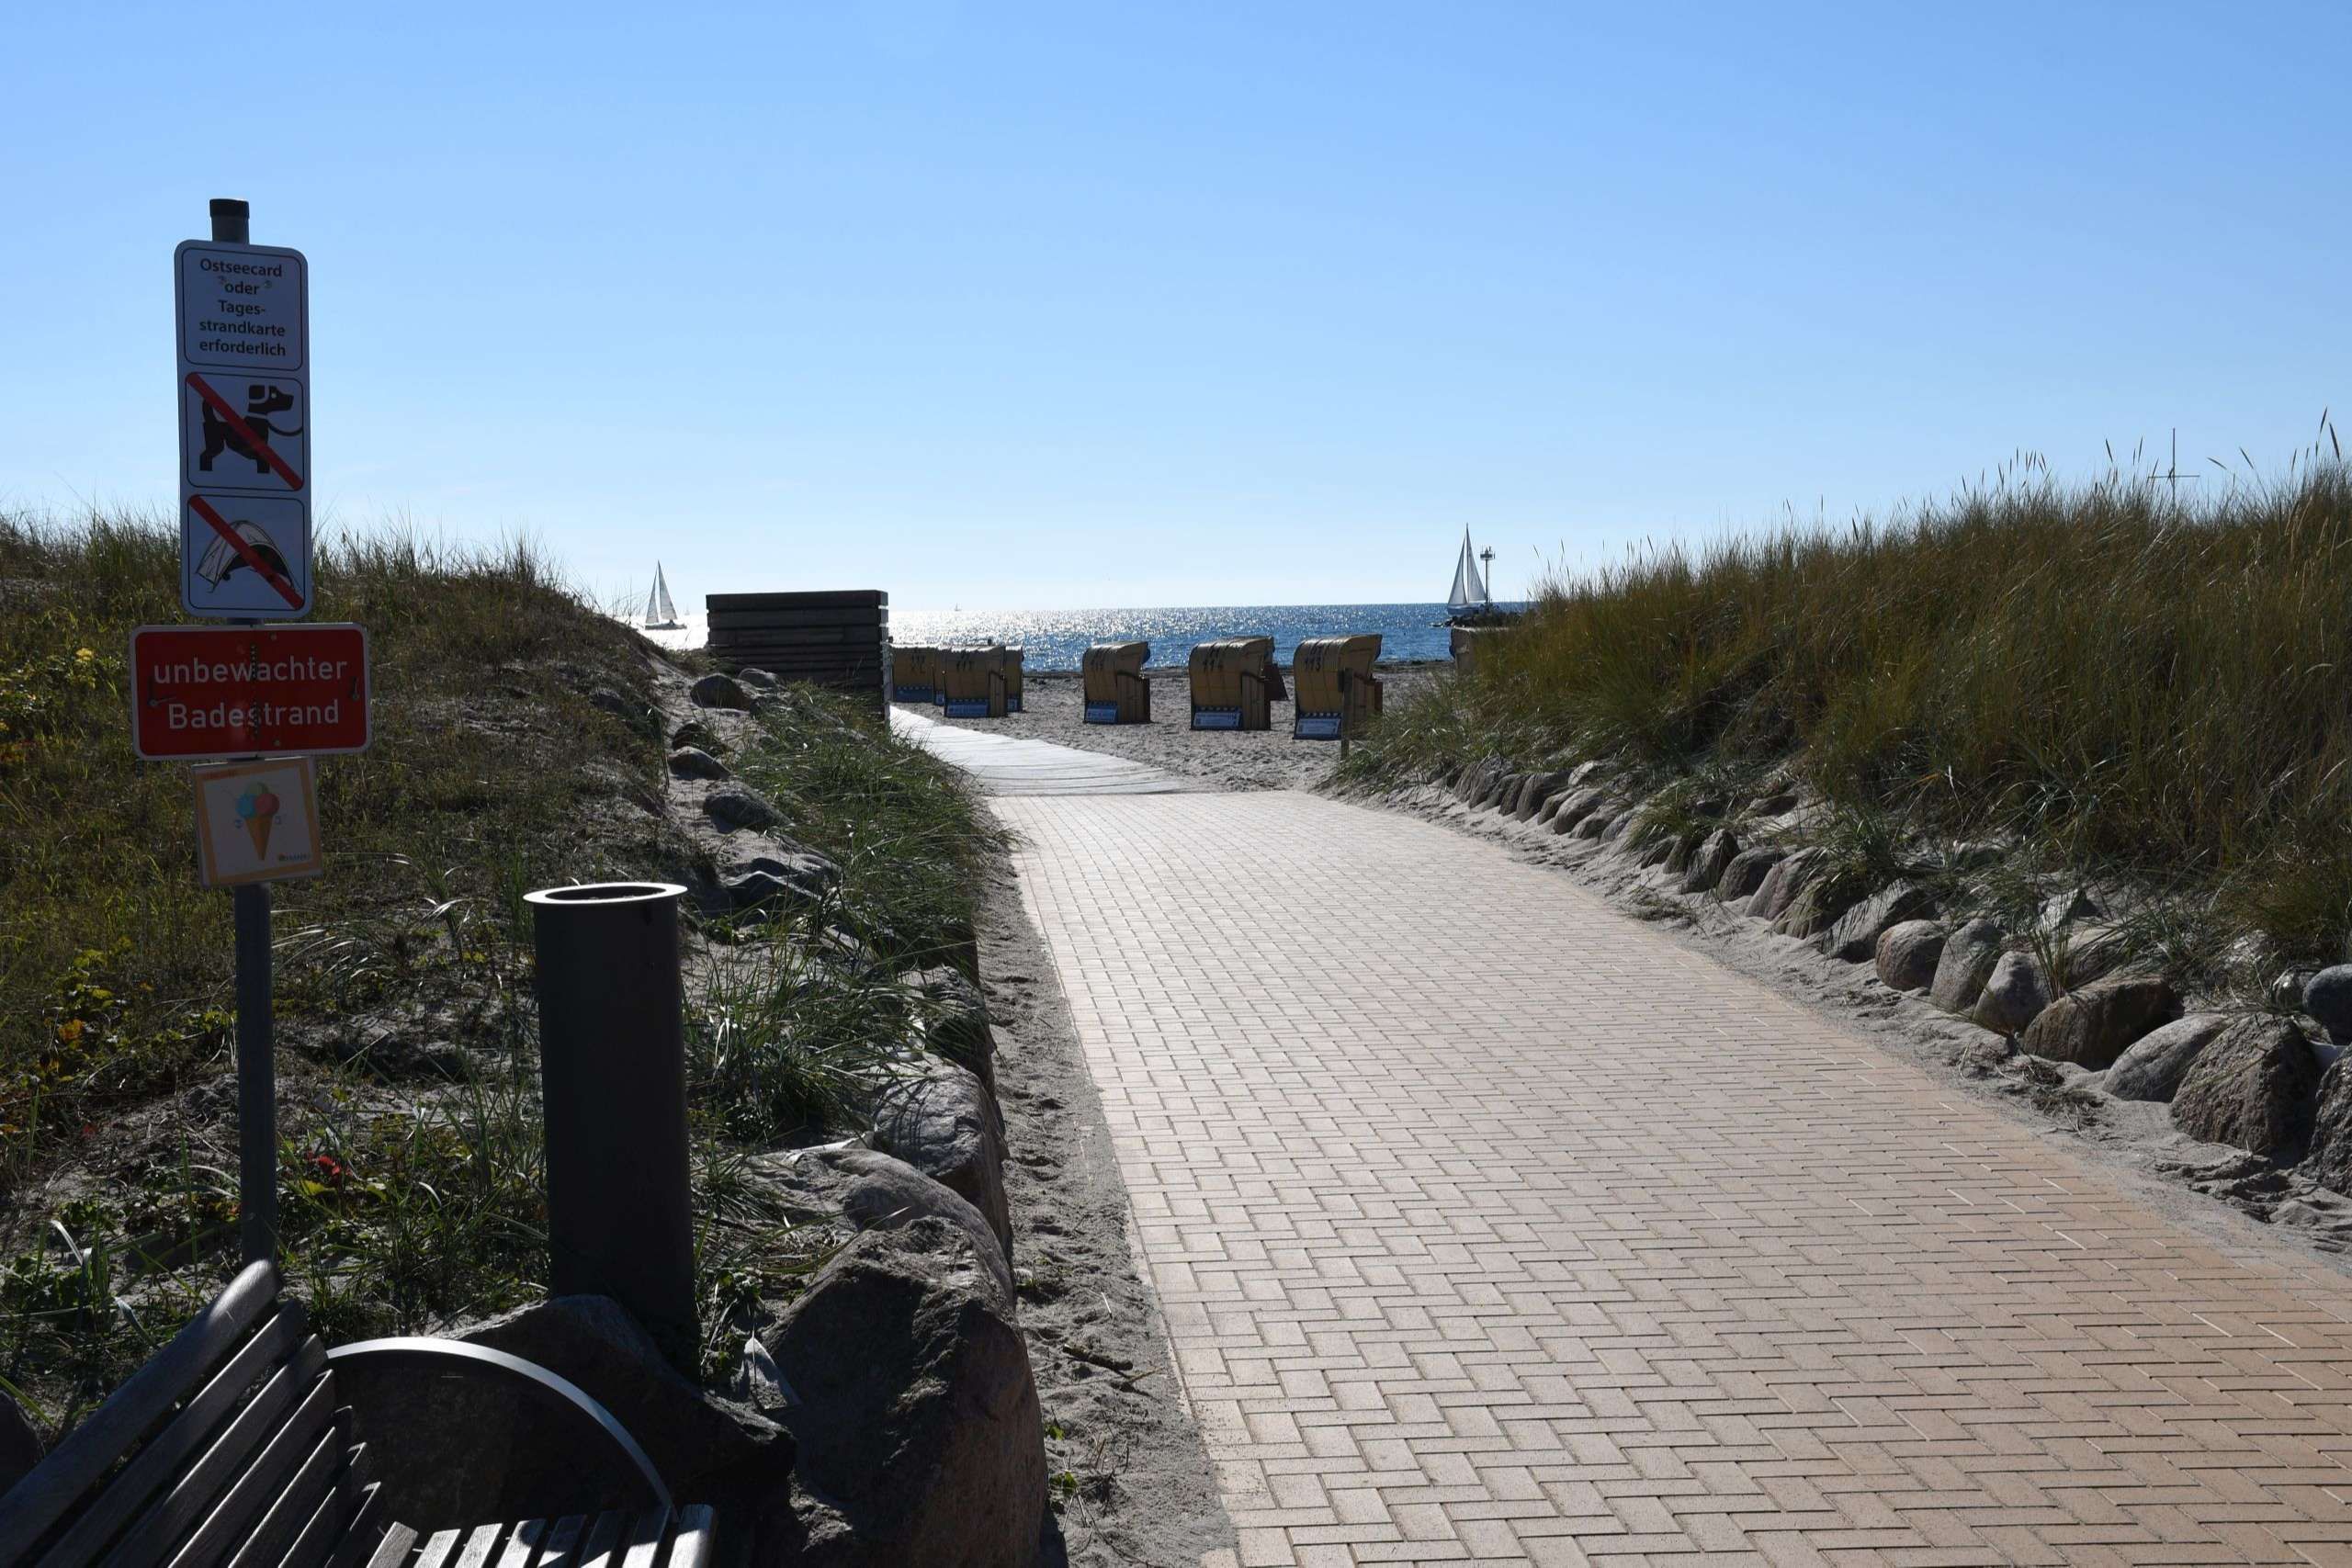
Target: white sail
(659,610)
(1469,588)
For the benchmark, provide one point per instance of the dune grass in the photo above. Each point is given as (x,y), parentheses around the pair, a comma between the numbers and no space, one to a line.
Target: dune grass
(2111,683)
(410,1160)
(115,964)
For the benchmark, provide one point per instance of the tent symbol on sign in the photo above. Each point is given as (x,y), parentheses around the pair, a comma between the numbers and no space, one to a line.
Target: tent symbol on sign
(225,557)
(262,400)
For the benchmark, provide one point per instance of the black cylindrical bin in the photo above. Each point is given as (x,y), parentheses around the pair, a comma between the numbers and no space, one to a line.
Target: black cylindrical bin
(613,1074)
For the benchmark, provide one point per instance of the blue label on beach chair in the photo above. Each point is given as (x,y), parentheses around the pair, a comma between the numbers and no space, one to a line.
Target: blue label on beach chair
(911,694)
(967,707)
(939,696)
(1216,718)
(1013,705)
(1101,713)
(1315,726)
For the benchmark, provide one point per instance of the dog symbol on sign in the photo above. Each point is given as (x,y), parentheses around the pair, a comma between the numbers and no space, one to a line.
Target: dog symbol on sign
(262,400)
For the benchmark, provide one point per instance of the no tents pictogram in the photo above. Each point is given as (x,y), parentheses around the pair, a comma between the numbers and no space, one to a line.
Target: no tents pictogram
(243,543)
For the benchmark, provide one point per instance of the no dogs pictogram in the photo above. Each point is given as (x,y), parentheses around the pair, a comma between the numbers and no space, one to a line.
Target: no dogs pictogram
(260,445)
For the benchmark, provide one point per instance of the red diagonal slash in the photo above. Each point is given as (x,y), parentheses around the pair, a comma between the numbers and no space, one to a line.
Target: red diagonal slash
(246,552)
(236,422)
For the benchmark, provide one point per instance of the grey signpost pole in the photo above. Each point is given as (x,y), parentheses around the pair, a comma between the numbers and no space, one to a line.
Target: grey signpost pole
(256,1064)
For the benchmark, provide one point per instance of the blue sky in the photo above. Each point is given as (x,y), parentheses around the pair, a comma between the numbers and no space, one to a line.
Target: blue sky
(1019,306)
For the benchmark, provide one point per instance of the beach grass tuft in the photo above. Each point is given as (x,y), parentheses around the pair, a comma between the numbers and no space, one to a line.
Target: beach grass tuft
(2106,679)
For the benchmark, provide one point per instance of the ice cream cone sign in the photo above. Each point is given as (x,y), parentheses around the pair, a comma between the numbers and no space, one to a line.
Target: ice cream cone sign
(256,822)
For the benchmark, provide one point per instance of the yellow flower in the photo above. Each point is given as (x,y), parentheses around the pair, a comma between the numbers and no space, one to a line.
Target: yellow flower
(70,1031)
(84,654)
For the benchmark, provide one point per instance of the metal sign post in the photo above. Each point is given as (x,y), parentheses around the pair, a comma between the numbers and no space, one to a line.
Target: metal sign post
(238,693)
(257,1033)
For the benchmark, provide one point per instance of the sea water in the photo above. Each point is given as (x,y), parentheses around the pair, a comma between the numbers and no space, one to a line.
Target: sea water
(1058,640)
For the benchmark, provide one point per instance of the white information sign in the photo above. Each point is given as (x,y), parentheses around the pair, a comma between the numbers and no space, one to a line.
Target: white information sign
(244,402)
(257,822)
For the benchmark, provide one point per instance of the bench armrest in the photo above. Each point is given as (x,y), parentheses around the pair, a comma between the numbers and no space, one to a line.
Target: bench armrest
(533,1377)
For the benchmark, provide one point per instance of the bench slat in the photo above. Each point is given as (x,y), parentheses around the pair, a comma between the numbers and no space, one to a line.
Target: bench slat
(694,1547)
(479,1545)
(555,1551)
(186,1503)
(393,1552)
(260,1482)
(596,1546)
(30,1509)
(165,1453)
(436,1549)
(524,1544)
(359,1535)
(329,1523)
(293,1506)
(645,1541)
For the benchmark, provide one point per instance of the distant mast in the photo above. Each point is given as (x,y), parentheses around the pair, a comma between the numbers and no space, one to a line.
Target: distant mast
(661,615)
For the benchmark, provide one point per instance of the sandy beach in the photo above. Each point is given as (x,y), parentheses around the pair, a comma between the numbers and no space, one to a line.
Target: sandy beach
(1267,759)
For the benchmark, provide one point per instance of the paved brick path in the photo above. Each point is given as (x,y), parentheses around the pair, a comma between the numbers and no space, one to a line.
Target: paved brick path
(1493,1227)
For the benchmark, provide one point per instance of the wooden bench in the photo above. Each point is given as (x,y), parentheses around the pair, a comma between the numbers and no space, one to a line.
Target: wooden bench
(231,1448)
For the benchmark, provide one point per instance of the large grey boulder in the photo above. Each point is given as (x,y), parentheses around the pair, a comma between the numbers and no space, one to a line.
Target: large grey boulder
(1968,957)
(2252,1088)
(1907,954)
(752,676)
(721,691)
(1782,883)
(736,808)
(1577,808)
(1746,872)
(2328,996)
(1498,794)
(1596,825)
(1817,908)
(2093,1026)
(453,1442)
(918,1420)
(695,733)
(876,1191)
(2013,997)
(1709,861)
(1477,779)
(944,1124)
(779,872)
(2095,952)
(2330,1163)
(1538,789)
(2154,1064)
(694,762)
(1854,937)
(956,1020)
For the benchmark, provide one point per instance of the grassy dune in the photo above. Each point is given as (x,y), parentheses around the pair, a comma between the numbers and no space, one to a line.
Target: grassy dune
(2113,687)
(409,1105)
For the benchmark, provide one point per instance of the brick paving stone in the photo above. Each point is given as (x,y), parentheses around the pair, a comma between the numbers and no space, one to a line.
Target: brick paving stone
(1493,1227)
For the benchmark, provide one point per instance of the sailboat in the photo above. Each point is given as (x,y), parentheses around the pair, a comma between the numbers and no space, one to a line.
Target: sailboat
(661,615)
(1472,602)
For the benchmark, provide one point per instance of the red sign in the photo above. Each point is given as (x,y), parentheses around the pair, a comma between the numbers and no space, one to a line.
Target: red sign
(199,692)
